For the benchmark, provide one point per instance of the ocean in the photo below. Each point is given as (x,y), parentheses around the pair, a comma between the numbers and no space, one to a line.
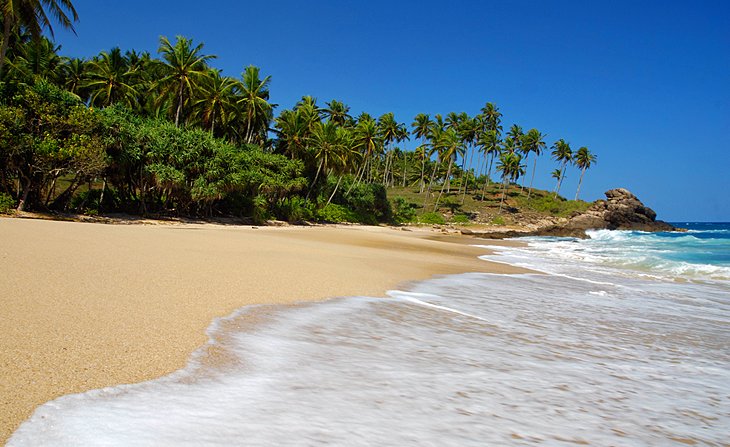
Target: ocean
(623,339)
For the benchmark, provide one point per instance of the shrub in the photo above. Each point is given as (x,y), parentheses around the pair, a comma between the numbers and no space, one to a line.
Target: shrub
(403,210)
(498,220)
(367,201)
(432,218)
(337,213)
(294,209)
(461,219)
(6,203)
(557,206)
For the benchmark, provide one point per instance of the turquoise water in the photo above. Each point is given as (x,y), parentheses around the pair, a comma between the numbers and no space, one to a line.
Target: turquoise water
(625,341)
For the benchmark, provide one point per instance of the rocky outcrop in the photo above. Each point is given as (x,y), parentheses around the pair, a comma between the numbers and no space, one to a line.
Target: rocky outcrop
(621,210)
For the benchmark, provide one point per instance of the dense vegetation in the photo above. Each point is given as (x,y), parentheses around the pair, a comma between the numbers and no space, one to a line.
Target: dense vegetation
(125,131)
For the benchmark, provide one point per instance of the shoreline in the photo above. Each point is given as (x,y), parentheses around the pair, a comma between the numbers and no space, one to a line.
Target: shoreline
(88,306)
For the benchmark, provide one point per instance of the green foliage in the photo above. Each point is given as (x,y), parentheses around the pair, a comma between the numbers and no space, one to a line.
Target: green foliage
(367,201)
(403,210)
(7,203)
(432,218)
(557,206)
(337,213)
(498,220)
(294,209)
(461,219)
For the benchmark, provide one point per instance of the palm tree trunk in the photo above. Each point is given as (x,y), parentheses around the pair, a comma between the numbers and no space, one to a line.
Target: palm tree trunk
(504,189)
(560,180)
(316,176)
(179,104)
(582,172)
(405,168)
(448,174)
(8,26)
(423,168)
(430,183)
(335,191)
(534,167)
(522,187)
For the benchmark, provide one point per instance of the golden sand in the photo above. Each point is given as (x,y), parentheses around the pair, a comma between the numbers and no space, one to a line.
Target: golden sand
(86,305)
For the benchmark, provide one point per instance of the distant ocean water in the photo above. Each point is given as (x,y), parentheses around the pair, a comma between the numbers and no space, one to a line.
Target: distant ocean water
(625,341)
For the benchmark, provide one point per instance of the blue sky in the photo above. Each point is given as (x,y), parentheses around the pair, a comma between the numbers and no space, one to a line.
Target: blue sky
(643,84)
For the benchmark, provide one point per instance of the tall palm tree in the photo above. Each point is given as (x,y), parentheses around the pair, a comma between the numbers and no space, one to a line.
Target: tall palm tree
(492,118)
(511,167)
(109,80)
(255,108)
(562,154)
(329,142)
(583,159)
(216,99)
(557,175)
(421,127)
(451,145)
(184,67)
(338,112)
(491,146)
(33,15)
(533,142)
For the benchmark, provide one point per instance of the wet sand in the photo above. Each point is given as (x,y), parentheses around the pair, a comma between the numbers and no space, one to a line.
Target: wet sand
(86,305)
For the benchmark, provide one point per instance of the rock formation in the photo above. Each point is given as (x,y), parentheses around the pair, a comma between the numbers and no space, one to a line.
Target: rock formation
(621,210)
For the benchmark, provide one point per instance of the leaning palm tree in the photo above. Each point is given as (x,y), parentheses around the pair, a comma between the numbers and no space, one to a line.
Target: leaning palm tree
(534,142)
(557,175)
(511,167)
(451,146)
(421,127)
(32,15)
(184,67)
(562,154)
(490,144)
(583,159)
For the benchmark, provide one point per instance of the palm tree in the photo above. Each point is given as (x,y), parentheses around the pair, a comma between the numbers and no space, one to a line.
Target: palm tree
(368,142)
(338,112)
(109,80)
(38,59)
(562,154)
(583,159)
(255,108)
(329,143)
(184,67)
(492,118)
(450,145)
(216,99)
(421,127)
(74,74)
(533,141)
(511,167)
(33,16)
(489,143)
(557,175)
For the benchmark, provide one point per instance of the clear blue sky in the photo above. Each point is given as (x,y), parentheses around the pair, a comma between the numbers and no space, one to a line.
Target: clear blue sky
(644,84)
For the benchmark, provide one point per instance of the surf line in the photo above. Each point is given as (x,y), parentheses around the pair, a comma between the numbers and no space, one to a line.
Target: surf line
(444,308)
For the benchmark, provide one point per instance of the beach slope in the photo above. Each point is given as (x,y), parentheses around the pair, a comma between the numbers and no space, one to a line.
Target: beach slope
(86,306)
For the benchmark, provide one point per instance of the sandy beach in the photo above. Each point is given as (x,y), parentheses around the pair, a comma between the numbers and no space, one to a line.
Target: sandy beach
(87,305)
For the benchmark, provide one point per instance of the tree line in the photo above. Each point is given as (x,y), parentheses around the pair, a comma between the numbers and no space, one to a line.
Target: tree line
(172,134)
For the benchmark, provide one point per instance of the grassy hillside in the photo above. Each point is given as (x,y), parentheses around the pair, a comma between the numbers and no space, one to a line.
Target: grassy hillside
(456,208)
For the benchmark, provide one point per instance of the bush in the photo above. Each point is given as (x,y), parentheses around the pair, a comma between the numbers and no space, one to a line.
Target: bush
(432,218)
(367,201)
(557,206)
(337,213)
(89,202)
(461,219)
(6,203)
(403,210)
(294,209)
(498,220)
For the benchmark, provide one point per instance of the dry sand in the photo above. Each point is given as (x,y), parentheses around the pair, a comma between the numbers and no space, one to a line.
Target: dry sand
(85,306)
